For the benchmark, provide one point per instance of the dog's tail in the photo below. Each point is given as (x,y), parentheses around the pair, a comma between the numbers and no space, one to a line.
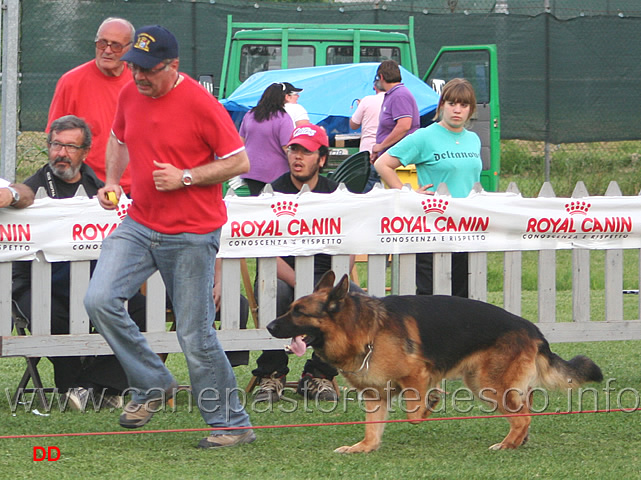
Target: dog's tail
(557,373)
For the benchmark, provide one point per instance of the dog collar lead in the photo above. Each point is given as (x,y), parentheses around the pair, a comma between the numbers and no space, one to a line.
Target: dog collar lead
(365,364)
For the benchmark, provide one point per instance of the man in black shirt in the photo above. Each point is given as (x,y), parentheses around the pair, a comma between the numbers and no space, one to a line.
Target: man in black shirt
(307,153)
(69,142)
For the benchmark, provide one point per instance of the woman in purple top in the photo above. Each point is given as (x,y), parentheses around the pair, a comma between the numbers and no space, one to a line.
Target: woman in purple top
(266,129)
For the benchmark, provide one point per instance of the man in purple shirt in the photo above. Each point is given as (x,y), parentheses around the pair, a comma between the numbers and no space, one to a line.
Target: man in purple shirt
(399,113)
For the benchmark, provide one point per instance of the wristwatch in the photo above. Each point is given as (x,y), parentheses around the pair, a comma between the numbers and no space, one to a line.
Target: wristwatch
(15,194)
(187,178)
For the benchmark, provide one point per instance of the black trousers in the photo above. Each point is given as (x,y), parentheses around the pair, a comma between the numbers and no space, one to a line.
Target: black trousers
(424,276)
(97,372)
(255,186)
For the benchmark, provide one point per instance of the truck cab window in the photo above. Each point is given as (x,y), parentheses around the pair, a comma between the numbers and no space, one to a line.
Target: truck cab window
(339,54)
(261,58)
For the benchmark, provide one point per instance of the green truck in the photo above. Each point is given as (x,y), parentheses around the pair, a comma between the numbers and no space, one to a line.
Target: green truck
(255,47)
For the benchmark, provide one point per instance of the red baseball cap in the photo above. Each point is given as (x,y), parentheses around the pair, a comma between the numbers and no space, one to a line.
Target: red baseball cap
(309,136)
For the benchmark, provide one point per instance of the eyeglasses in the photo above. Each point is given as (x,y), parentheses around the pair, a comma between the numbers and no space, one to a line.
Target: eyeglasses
(115,46)
(377,78)
(70,147)
(300,149)
(135,69)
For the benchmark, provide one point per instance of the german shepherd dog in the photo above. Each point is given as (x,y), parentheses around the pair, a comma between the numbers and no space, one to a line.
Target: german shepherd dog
(410,343)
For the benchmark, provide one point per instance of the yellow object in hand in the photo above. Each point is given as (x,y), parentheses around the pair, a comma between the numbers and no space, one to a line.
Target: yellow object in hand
(112,197)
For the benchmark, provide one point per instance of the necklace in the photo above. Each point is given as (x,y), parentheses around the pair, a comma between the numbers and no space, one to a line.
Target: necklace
(179,79)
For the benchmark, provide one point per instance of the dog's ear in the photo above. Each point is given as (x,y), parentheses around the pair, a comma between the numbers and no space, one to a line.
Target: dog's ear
(337,295)
(326,281)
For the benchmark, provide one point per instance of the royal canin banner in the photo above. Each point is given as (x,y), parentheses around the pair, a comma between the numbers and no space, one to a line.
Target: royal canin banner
(403,221)
(64,229)
(380,222)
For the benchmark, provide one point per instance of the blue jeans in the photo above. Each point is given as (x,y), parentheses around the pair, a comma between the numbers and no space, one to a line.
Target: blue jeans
(130,255)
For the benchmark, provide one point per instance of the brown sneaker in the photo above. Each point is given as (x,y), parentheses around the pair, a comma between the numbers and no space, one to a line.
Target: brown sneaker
(135,415)
(270,388)
(227,440)
(316,388)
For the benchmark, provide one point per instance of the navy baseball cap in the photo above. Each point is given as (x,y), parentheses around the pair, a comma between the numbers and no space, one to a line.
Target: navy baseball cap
(153,45)
(289,88)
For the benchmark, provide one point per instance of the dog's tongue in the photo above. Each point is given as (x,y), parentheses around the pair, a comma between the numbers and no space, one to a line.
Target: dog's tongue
(298,346)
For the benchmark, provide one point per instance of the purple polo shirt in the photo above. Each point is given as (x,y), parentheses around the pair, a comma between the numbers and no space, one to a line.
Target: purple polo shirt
(398,103)
(264,143)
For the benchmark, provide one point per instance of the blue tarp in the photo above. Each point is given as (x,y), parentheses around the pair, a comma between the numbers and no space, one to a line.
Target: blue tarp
(330,92)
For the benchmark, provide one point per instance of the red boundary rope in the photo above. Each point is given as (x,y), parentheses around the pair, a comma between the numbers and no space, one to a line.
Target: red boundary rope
(332,424)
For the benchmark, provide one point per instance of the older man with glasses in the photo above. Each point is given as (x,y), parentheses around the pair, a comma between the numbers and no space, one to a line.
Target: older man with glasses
(182,145)
(90,91)
(100,378)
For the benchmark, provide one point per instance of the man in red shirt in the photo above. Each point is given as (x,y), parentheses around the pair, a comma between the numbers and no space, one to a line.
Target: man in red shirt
(90,91)
(182,145)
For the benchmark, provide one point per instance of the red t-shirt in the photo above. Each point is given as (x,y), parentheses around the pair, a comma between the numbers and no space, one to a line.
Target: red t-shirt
(187,128)
(89,94)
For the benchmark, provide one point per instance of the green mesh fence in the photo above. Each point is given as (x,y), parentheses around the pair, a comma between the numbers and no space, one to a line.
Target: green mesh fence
(562,80)
(568,73)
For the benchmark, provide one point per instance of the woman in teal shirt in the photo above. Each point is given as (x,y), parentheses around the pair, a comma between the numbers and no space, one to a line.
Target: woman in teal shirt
(445,152)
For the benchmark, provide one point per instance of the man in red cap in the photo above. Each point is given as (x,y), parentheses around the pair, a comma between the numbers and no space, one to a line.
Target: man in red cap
(307,153)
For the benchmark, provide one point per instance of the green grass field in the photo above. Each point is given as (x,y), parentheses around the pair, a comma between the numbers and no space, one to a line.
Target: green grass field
(603,445)
(577,446)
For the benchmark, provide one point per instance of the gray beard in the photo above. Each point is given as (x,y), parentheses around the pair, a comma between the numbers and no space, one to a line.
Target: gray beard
(66,174)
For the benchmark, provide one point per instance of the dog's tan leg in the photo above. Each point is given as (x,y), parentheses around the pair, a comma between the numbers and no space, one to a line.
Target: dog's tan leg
(376,411)
(512,402)
(502,377)
(517,436)
(419,402)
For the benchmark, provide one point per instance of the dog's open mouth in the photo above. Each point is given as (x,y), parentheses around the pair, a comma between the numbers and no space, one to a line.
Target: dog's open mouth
(298,345)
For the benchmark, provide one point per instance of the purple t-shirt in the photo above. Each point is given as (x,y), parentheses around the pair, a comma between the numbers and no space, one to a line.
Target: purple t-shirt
(264,143)
(398,103)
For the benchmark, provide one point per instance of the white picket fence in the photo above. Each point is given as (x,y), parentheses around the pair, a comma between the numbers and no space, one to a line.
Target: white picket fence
(80,342)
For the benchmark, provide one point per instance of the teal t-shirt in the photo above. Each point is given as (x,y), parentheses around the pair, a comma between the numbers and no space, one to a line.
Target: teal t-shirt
(442,156)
